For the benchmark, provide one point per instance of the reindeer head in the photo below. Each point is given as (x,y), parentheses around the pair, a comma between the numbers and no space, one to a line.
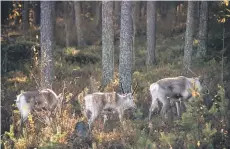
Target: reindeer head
(126,100)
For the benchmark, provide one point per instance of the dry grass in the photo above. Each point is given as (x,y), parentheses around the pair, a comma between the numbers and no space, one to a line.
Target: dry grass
(80,80)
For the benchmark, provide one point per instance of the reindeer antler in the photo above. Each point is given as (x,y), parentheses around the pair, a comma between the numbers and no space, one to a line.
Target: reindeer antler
(122,89)
(135,89)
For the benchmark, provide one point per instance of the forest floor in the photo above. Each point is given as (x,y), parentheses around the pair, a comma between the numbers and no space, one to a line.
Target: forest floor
(78,72)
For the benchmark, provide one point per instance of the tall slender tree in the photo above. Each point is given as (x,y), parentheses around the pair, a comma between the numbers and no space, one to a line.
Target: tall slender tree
(77,9)
(107,42)
(98,14)
(126,41)
(203,30)
(46,32)
(54,21)
(36,12)
(196,18)
(25,16)
(66,14)
(117,12)
(151,32)
(188,47)
(135,16)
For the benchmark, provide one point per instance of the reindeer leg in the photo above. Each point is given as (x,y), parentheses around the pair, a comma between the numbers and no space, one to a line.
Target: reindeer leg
(90,122)
(121,117)
(166,105)
(21,125)
(178,109)
(105,118)
(153,106)
(150,113)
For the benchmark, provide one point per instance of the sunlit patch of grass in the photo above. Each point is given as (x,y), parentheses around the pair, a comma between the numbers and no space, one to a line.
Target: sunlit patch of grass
(102,136)
(14,33)
(21,144)
(125,134)
(71,51)
(18,79)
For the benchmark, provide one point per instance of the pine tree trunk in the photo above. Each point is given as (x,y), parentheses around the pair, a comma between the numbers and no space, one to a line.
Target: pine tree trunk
(77,8)
(107,42)
(189,36)
(203,30)
(126,41)
(98,15)
(54,21)
(66,14)
(134,29)
(196,18)
(46,44)
(25,16)
(117,20)
(137,13)
(143,9)
(36,17)
(117,12)
(151,32)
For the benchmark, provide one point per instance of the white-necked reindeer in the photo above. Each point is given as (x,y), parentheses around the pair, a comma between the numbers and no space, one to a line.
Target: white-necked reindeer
(28,101)
(95,103)
(171,89)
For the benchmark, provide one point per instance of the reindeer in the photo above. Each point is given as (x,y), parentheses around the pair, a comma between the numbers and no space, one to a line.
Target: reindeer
(28,101)
(95,103)
(172,89)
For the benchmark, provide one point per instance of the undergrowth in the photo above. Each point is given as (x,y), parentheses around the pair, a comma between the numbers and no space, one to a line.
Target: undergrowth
(76,77)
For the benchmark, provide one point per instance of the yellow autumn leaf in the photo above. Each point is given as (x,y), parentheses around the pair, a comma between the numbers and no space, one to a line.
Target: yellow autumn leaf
(198,143)
(226,2)
(195,42)
(223,20)
(17,13)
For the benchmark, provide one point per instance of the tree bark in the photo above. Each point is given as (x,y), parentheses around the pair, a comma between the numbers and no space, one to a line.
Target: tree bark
(117,12)
(77,8)
(54,21)
(189,36)
(46,44)
(66,14)
(203,30)
(25,16)
(134,16)
(196,18)
(151,32)
(137,13)
(125,58)
(107,42)
(143,9)
(98,15)
(36,16)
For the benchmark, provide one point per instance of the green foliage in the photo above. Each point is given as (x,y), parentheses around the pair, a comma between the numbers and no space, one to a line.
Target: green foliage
(167,139)
(220,103)
(198,125)
(14,56)
(82,57)
(144,141)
